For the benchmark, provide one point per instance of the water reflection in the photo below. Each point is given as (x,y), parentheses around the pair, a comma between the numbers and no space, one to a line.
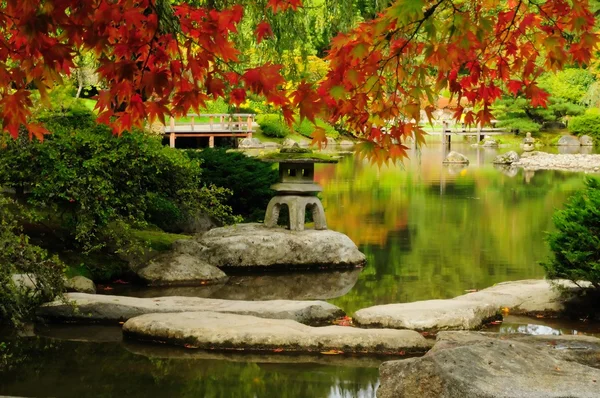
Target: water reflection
(432,232)
(107,369)
(321,285)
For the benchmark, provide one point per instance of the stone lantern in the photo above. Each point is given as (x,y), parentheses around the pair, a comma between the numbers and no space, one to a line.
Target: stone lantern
(296,189)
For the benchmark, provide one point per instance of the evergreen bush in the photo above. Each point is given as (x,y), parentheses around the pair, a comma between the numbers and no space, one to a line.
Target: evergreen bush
(585,124)
(248,179)
(576,242)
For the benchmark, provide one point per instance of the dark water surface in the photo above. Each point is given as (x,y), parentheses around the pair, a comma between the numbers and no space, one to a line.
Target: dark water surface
(428,232)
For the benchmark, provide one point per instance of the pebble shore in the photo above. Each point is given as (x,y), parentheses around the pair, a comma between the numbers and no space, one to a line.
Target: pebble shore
(548,161)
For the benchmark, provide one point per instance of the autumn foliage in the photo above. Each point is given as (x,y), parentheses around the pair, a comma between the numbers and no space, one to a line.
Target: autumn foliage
(161,57)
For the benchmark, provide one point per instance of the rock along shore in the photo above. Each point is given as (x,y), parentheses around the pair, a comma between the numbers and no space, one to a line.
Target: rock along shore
(547,161)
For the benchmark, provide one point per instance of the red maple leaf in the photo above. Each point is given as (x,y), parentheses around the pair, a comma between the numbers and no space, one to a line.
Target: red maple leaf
(263,29)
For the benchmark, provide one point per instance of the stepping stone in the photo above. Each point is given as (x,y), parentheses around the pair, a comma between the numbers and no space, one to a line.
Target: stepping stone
(212,330)
(427,315)
(83,307)
(530,296)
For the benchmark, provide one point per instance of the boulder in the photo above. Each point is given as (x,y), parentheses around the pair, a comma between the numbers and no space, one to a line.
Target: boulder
(24,281)
(93,308)
(211,330)
(180,269)
(475,365)
(531,297)
(427,315)
(303,143)
(187,246)
(490,143)
(201,222)
(455,157)
(346,143)
(247,143)
(586,140)
(507,158)
(255,245)
(289,143)
(80,284)
(568,140)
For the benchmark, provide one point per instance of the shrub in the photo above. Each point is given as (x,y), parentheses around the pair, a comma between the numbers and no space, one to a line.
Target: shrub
(18,256)
(585,124)
(92,185)
(306,128)
(248,178)
(273,126)
(576,242)
(523,125)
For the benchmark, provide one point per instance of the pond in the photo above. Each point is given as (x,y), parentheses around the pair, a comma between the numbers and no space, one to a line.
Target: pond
(428,231)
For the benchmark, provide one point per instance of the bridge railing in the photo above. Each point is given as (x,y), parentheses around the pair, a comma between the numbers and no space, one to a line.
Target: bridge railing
(217,122)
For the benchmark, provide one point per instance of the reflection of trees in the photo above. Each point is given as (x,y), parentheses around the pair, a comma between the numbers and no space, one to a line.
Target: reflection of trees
(430,234)
(108,370)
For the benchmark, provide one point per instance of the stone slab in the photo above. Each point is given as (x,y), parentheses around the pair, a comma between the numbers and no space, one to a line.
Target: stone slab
(479,366)
(255,245)
(211,330)
(530,296)
(427,315)
(81,307)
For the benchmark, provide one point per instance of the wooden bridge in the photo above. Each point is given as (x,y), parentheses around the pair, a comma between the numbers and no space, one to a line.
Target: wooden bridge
(479,132)
(219,125)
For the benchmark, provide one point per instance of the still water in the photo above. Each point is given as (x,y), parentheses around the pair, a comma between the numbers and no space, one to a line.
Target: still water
(428,232)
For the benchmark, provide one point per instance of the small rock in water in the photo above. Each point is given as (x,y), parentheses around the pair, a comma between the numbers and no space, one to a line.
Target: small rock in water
(289,143)
(455,157)
(586,140)
(490,143)
(507,158)
(250,143)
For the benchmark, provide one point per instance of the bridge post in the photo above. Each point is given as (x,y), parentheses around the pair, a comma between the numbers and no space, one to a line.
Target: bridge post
(172,135)
(211,141)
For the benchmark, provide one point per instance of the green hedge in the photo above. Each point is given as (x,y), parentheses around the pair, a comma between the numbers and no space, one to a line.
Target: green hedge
(585,124)
(273,126)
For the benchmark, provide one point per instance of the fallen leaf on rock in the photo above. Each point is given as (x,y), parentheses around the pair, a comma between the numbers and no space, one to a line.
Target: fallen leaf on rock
(121,282)
(470,290)
(344,321)
(332,352)
(107,288)
(495,322)
(278,350)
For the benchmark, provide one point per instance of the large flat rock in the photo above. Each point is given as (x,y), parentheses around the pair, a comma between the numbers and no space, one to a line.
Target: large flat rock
(254,245)
(211,330)
(531,296)
(475,365)
(83,307)
(427,315)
